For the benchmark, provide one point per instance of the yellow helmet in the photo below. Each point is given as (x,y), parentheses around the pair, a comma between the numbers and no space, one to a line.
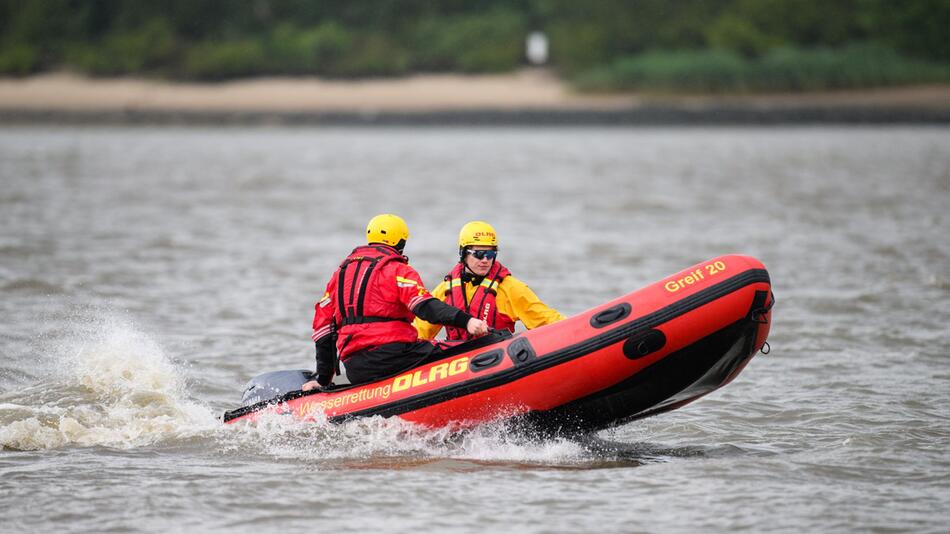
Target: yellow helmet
(477,233)
(388,229)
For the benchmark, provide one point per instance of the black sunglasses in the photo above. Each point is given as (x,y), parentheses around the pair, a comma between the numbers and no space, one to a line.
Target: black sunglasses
(483,254)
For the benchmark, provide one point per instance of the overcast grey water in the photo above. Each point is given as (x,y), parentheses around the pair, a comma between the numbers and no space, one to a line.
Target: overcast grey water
(147,273)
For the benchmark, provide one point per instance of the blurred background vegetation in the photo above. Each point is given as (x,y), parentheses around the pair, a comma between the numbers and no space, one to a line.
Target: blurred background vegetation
(598,45)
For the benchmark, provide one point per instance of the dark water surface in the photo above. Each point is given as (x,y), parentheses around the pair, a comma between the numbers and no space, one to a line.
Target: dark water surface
(146,274)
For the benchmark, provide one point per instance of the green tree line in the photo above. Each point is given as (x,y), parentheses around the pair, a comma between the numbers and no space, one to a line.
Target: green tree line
(599,44)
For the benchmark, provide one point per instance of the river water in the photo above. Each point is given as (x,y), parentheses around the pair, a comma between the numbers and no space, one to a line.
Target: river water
(147,273)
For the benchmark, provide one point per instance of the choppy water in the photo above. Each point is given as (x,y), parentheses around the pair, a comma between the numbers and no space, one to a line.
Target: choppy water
(146,274)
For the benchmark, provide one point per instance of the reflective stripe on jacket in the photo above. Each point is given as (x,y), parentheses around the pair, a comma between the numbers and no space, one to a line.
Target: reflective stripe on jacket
(368,301)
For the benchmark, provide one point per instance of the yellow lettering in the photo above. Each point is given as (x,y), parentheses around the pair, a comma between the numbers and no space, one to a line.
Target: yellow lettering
(402,382)
(439,372)
(417,379)
(695,277)
(458,366)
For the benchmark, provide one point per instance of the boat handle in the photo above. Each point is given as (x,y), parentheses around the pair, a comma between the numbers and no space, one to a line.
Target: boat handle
(486,360)
(610,315)
(643,343)
(520,351)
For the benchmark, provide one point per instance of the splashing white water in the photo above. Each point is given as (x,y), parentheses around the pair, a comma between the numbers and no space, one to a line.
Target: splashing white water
(385,442)
(117,390)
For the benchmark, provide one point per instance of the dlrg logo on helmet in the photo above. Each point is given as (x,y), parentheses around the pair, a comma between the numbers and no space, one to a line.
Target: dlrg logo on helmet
(478,233)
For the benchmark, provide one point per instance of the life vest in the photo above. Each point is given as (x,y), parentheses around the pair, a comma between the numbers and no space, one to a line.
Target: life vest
(483,305)
(366,314)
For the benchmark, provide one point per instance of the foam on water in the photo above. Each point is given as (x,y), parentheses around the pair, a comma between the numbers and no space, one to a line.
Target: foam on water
(382,441)
(114,387)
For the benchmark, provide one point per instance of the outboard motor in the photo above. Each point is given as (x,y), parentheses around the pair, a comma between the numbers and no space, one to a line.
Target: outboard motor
(274,384)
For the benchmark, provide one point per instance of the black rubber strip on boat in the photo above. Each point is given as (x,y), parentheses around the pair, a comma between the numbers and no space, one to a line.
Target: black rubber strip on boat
(542,362)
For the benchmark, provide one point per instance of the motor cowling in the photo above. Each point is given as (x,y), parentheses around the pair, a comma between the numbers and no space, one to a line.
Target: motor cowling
(274,384)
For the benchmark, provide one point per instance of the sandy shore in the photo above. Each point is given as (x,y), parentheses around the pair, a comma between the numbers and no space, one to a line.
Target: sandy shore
(526,96)
(524,90)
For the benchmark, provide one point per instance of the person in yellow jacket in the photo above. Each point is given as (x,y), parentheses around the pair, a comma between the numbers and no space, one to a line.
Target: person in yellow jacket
(482,287)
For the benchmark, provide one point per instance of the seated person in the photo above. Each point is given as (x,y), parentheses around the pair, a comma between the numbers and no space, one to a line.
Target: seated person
(482,287)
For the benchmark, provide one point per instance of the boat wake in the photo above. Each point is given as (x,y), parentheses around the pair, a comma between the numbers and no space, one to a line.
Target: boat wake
(118,389)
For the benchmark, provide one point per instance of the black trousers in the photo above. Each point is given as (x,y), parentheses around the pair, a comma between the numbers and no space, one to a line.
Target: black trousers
(389,359)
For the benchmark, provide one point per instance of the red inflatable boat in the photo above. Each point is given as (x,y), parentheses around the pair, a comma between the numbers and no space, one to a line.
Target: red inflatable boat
(648,352)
